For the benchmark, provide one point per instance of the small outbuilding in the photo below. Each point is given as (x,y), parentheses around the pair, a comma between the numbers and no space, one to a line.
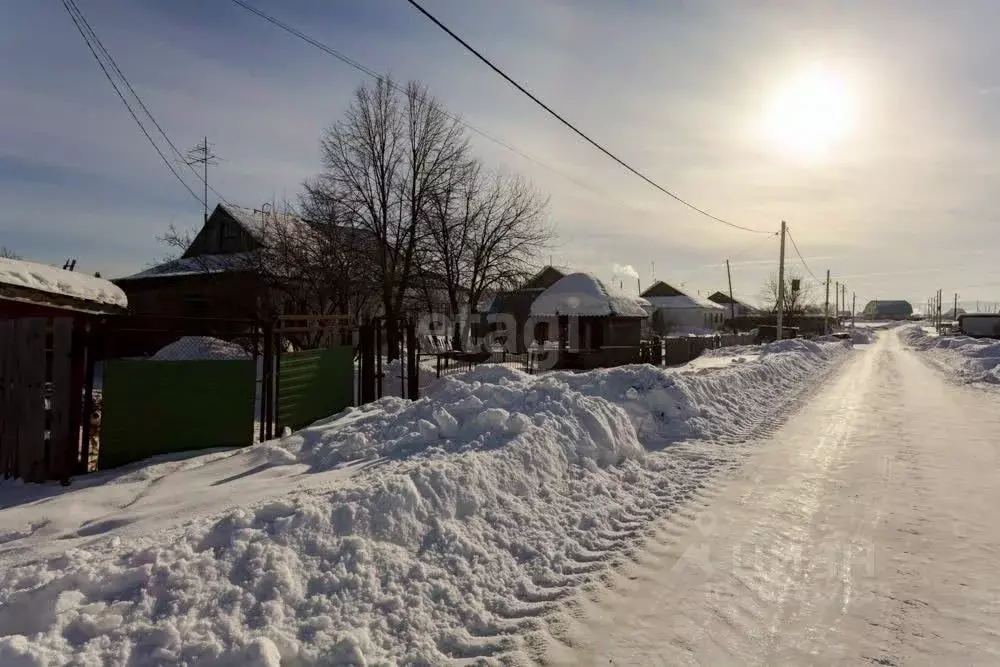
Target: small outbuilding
(592,324)
(675,312)
(45,317)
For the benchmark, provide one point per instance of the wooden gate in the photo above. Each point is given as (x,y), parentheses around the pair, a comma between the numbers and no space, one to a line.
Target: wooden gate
(39,399)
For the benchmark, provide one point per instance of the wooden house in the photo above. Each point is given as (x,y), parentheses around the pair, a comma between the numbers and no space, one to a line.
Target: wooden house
(591,323)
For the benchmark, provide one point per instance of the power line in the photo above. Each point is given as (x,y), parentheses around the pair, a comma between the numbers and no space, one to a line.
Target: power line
(135,117)
(801,258)
(574,128)
(142,105)
(347,60)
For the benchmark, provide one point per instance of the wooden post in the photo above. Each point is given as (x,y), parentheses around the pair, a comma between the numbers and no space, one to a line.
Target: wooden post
(8,410)
(60,401)
(31,420)
(732,301)
(378,360)
(93,342)
(412,363)
(836,304)
(266,384)
(781,283)
(826,306)
(366,336)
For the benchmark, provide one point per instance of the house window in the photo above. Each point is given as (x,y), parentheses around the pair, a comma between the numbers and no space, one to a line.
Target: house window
(228,230)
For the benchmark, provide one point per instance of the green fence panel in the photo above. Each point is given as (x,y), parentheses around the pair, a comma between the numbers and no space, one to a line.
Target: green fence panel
(314,384)
(163,407)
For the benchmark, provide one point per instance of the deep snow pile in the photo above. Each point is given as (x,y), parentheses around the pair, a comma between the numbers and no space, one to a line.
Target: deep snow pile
(485,503)
(199,348)
(968,359)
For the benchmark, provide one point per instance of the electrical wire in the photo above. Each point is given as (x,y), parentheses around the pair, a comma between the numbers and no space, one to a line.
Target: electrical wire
(135,117)
(142,105)
(574,128)
(801,258)
(347,60)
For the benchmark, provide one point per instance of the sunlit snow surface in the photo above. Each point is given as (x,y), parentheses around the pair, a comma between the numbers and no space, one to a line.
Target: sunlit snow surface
(396,533)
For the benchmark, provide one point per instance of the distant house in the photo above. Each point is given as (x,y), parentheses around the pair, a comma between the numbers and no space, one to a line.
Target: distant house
(215,277)
(220,273)
(733,306)
(596,324)
(887,310)
(677,312)
(516,304)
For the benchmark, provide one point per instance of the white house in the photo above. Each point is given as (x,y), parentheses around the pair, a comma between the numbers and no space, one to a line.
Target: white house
(677,313)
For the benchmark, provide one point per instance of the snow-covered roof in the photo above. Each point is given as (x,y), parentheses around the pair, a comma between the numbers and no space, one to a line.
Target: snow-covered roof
(53,280)
(585,295)
(254,220)
(187,266)
(682,302)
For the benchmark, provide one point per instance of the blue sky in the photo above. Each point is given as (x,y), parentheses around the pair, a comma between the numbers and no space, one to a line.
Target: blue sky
(902,205)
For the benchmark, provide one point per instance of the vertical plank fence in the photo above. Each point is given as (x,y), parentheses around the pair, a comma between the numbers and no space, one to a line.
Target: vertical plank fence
(36,399)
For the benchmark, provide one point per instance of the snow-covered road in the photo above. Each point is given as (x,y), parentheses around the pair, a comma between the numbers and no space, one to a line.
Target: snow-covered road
(864,531)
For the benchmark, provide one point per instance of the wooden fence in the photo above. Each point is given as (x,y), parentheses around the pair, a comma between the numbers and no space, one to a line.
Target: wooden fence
(39,399)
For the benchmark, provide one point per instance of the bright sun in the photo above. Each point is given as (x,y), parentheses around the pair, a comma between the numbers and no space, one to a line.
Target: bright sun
(810,114)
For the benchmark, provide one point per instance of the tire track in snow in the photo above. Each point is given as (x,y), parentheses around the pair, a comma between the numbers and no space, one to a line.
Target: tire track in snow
(651,543)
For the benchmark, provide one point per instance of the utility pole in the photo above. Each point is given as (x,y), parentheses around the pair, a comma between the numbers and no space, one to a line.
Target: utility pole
(836,304)
(732,301)
(843,299)
(854,307)
(826,306)
(781,282)
(954,312)
(938,312)
(202,154)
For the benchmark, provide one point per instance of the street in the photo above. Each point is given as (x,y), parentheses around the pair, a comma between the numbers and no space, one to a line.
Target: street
(863,531)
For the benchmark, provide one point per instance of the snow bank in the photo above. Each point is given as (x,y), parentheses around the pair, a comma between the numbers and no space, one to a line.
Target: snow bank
(483,505)
(53,280)
(199,348)
(966,359)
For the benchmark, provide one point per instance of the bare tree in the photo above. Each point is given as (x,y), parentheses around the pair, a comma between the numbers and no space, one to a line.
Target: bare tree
(177,240)
(7,253)
(796,301)
(297,266)
(382,165)
(484,232)
(319,268)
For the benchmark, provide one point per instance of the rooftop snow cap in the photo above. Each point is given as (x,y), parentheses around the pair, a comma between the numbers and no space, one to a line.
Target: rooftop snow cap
(585,295)
(53,280)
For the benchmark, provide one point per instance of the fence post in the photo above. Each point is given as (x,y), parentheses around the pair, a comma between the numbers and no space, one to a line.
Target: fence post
(78,369)
(367,341)
(412,366)
(266,385)
(378,360)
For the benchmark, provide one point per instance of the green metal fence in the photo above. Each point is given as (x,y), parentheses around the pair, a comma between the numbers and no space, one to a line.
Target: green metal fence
(313,384)
(163,407)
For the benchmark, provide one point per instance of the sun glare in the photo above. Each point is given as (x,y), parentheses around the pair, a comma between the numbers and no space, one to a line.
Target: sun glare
(810,114)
